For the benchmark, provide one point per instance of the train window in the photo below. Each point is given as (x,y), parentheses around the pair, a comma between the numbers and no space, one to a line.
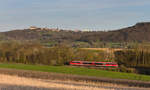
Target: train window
(75,62)
(87,63)
(109,63)
(99,63)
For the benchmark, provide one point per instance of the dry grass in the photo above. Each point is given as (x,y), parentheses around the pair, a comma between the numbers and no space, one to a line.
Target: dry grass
(12,82)
(37,83)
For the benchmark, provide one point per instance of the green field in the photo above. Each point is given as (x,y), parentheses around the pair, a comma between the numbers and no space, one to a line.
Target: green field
(77,71)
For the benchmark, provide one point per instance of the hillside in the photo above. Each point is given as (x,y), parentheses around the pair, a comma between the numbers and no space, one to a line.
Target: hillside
(139,33)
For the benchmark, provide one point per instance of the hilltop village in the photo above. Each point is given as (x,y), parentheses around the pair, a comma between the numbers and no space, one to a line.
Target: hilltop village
(57,29)
(37,28)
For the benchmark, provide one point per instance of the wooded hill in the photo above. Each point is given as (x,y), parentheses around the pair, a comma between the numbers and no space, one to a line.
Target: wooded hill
(137,33)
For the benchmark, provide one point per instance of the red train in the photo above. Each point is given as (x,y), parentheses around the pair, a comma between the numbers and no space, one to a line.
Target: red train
(96,64)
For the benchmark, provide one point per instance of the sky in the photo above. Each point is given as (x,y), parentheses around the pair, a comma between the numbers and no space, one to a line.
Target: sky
(73,14)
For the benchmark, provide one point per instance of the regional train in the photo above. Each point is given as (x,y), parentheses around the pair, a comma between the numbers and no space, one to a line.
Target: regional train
(95,64)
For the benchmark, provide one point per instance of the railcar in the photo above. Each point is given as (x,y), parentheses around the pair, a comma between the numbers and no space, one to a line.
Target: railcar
(96,64)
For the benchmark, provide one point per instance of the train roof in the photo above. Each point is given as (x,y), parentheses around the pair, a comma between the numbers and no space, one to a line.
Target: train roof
(92,61)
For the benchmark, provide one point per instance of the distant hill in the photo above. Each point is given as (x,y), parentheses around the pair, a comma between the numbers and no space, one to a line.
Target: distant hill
(137,33)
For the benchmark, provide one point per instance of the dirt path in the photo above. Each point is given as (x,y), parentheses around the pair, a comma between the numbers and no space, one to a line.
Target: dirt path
(12,82)
(21,83)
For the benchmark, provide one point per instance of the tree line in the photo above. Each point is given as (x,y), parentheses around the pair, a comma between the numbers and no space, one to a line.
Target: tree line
(136,60)
(35,53)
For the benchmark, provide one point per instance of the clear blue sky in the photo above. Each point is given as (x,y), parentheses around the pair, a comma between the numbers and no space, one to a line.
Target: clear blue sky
(73,14)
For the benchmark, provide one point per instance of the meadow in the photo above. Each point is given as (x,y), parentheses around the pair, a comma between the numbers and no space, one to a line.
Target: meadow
(77,71)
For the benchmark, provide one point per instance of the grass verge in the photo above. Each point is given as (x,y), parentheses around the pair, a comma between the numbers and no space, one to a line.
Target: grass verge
(78,71)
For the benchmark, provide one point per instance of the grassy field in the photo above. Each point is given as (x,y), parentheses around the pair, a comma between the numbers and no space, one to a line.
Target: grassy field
(104,49)
(77,71)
